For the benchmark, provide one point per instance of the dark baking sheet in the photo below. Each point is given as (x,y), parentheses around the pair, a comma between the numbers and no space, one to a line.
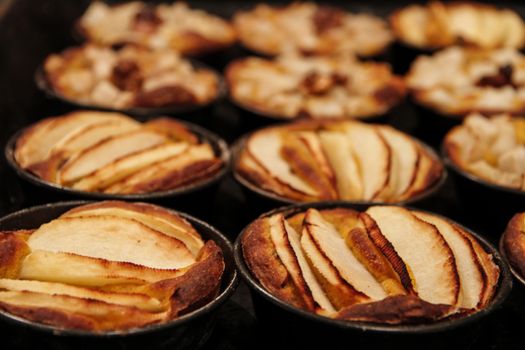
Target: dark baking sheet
(30,29)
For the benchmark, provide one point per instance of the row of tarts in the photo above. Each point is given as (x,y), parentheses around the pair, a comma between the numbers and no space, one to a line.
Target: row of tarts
(119,267)
(136,57)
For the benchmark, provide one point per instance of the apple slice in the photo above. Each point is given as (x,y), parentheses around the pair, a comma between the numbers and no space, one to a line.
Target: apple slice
(35,144)
(289,258)
(470,271)
(75,312)
(195,163)
(140,301)
(155,217)
(405,156)
(338,149)
(333,246)
(490,269)
(90,272)
(265,147)
(302,152)
(428,257)
(112,238)
(106,152)
(128,165)
(373,156)
(175,130)
(429,170)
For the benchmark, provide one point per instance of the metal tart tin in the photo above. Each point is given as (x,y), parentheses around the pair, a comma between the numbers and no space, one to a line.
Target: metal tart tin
(189,331)
(283,321)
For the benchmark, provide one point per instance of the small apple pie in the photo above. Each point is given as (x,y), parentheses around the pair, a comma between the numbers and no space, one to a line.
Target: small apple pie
(387,265)
(337,160)
(164,26)
(129,77)
(514,244)
(492,149)
(457,81)
(438,24)
(108,266)
(311,29)
(112,153)
(292,86)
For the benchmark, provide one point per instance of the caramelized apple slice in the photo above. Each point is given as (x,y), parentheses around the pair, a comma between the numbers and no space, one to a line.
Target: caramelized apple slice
(469,269)
(155,217)
(128,165)
(265,148)
(333,246)
(112,238)
(106,152)
(428,257)
(140,301)
(302,152)
(61,310)
(338,149)
(405,157)
(338,291)
(85,271)
(195,163)
(373,155)
(173,129)
(490,269)
(429,170)
(262,260)
(289,258)
(35,144)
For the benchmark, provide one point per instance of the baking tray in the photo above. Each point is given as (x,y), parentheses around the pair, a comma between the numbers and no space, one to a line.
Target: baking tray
(30,30)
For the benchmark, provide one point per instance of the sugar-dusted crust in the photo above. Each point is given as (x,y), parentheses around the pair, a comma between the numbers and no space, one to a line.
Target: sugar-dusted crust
(514,243)
(292,86)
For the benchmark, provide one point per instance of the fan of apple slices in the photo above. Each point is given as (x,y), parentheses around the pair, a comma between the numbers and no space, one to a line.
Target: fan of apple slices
(108,266)
(112,153)
(385,265)
(330,160)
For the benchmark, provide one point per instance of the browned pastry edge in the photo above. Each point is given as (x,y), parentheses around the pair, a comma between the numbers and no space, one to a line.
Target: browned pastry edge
(13,248)
(262,260)
(514,243)
(395,310)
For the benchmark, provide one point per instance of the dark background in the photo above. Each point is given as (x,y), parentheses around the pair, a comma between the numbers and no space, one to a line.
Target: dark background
(31,29)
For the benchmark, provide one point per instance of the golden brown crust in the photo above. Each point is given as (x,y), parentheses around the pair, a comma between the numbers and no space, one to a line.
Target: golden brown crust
(395,310)
(514,243)
(13,249)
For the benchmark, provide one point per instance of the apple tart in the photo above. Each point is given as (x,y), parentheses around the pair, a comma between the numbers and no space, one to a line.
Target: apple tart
(337,160)
(513,244)
(114,154)
(457,81)
(292,86)
(108,266)
(129,77)
(492,149)
(438,25)
(173,26)
(311,29)
(386,265)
